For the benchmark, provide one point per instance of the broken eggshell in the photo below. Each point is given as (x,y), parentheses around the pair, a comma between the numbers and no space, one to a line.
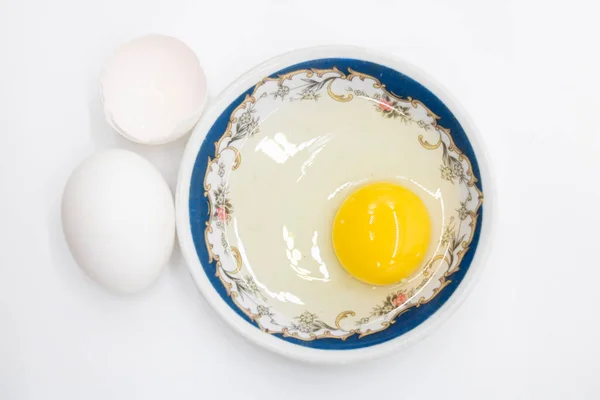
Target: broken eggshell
(153,89)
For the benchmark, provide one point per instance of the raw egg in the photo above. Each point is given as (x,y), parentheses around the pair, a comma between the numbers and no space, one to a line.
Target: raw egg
(381,233)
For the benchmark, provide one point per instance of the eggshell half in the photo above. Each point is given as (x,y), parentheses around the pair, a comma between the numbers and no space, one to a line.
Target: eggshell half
(153,89)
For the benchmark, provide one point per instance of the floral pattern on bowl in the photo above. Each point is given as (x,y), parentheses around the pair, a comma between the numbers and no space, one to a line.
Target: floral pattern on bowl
(317,85)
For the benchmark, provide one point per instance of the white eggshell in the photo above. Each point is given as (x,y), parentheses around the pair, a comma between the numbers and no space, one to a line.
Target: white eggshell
(119,220)
(153,89)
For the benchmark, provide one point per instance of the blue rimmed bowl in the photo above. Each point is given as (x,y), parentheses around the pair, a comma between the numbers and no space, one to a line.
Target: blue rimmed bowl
(268,166)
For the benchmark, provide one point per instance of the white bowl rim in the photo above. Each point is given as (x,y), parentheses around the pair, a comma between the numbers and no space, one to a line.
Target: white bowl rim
(270,342)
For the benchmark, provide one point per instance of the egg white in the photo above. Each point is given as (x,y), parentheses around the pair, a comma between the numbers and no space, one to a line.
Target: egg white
(296,171)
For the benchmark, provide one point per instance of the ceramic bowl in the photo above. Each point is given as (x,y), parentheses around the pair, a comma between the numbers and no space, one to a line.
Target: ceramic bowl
(267,168)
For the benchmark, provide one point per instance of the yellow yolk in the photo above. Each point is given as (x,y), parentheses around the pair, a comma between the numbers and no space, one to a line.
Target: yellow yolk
(381,233)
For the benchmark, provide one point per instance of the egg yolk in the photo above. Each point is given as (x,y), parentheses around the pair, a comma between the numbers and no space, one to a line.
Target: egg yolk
(381,233)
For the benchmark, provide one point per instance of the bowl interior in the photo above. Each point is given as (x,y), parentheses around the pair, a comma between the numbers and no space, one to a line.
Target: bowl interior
(276,165)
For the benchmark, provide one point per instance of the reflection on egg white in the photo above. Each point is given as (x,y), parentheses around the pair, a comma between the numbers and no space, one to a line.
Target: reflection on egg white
(344,186)
(316,254)
(281,296)
(294,256)
(280,149)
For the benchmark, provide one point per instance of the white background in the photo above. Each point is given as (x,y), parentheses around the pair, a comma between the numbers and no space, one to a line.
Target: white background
(526,71)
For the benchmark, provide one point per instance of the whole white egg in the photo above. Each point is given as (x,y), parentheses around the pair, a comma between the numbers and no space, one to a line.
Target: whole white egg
(119,220)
